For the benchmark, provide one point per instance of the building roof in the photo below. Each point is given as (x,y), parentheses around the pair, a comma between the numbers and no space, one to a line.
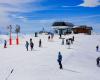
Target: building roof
(68,24)
(85,27)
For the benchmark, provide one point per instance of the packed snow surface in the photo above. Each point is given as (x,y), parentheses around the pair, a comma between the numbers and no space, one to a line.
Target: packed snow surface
(79,62)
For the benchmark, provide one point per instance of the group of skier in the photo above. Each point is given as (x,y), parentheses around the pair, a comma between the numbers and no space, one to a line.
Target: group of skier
(32,44)
(69,41)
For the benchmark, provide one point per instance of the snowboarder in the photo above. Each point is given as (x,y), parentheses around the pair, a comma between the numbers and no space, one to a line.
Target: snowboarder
(98,59)
(40,43)
(97,48)
(5,44)
(60,60)
(27,45)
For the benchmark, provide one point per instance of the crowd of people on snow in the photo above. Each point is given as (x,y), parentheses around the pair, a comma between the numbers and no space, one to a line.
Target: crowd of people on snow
(67,41)
(31,44)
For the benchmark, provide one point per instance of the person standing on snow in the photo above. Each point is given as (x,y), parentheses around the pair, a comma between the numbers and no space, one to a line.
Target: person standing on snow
(40,43)
(49,37)
(5,44)
(98,59)
(97,48)
(31,45)
(60,35)
(27,45)
(73,38)
(60,60)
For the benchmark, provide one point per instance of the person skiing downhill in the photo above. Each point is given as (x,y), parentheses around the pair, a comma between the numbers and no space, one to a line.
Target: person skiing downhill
(60,60)
(27,45)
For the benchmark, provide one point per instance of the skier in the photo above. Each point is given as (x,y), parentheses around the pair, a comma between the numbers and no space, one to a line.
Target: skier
(40,43)
(31,45)
(30,40)
(97,48)
(60,60)
(27,45)
(5,44)
(73,38)
(35,34)
(60,35)
(49,37)
(98,59)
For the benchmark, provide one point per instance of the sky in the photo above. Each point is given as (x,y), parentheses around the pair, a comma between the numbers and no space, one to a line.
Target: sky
(33,15)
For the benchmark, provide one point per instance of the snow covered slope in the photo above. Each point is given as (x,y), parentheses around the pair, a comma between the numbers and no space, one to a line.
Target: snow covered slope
(79,62)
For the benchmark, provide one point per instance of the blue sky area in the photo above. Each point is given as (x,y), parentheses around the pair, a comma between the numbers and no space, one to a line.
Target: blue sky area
(33,15)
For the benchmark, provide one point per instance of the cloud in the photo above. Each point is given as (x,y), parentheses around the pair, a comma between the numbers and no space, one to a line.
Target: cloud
(16,2)
(67,6)
(18,5)
(90,16)
(90,3)
(9,8)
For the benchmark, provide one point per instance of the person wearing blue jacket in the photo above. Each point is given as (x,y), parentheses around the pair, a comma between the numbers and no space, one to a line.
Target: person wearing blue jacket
(60,60)
(27,45)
